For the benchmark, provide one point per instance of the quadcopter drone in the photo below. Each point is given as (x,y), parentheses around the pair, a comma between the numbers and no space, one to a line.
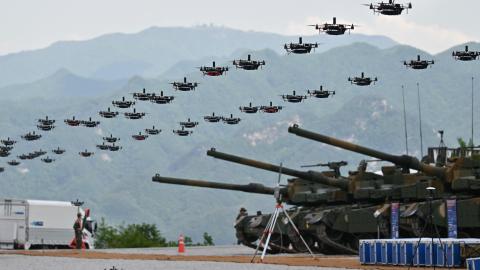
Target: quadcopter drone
(389,8)
(143,96)
(271,108)
(333,28)
(362,80)
(161,99)
(300,47)
(123,104)
(231,120)
(212,118)
(213,70)
(134,115)
(188,124)
(58,151)
(86,153)
(184,86)
(90,123)
(13,163)
(249,108)
(72,122)
(152,131)
(320,93)
(293,98)
(418,64)
(108,113)
(466,55)
(248,64)
(48,160)
(140,137)
(182,132)
(111,139)
(31,136)
(8,142)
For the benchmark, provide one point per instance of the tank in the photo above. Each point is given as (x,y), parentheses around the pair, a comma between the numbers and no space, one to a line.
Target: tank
(455,174)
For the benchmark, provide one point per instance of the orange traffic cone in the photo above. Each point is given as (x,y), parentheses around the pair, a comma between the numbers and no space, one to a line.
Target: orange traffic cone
(181,244)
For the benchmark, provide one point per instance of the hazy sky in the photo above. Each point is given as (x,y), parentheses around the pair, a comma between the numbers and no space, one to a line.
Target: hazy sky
(432,25)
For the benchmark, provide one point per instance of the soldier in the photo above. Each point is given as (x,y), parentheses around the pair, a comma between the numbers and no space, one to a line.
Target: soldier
(78,227)
(242,213)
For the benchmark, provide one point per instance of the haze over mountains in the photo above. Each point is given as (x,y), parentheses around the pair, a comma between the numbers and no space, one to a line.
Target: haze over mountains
(118,186)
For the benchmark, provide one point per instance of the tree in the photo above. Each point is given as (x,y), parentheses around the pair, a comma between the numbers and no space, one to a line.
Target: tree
(130,236)
(207,239)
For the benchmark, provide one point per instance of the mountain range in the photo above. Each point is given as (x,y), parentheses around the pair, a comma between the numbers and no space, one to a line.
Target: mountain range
(118,186)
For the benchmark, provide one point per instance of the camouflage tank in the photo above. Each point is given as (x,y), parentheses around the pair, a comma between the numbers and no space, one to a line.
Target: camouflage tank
(455,175)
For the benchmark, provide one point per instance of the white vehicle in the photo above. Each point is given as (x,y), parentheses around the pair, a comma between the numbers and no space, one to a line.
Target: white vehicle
(34,224)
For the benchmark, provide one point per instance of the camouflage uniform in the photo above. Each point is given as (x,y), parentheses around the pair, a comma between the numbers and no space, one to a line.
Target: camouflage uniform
(77,226)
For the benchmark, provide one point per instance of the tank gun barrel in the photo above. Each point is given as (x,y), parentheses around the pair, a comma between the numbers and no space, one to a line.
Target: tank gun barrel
(403,160)
(313,176)
(250,188)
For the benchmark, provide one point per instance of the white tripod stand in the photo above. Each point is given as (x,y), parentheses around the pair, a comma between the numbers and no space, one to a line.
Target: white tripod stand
(273,221)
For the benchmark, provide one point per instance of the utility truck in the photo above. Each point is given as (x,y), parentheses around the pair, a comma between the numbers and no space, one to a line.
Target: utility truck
(36,224)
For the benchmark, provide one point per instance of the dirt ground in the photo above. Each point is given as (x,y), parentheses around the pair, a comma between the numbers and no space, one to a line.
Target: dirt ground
(320,261)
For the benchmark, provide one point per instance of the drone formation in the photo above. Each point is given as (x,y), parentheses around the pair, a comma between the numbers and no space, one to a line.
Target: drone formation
(186,128)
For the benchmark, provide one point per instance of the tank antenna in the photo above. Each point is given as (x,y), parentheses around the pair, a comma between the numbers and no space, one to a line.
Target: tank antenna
(405,120)
(420,120)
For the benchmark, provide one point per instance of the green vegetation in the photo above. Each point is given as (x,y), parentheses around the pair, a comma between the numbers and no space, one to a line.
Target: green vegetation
(138,236)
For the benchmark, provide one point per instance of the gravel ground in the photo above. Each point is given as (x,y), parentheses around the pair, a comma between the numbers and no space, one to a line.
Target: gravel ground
(194,251)
(19,262)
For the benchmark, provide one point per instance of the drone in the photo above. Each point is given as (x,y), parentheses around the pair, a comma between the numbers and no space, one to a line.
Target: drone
(466,55)
(248,64)
(362,80)
(90,123)
(72,122)
(134,115)
(143,96)
(294,98)
(231,120)
(111,139)
(58,151)
(46,121)
(8,142)
(182,132)
(5,148)
(249,108)
(48,160)
(390,8)
(188,124)
(418,64)
(184,86)
(2,169)
(45,127)
(140,137)
(333,28)
(26,156)
(320,93)
(108,113)
(271,108)
(13,163)
(114,148)
(102,146)
(153,131)
(35,154)
(123,104)
(31,136)
(161,99)
(4,153)
(300,47)
(212,118)
(86,153)
(213,70)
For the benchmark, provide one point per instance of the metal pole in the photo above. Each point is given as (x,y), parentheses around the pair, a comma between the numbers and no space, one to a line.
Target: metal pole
(405,120)
(471,139)
(420,120)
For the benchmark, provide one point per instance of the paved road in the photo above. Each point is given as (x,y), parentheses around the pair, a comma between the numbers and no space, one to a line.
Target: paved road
(19,262)
(194,251)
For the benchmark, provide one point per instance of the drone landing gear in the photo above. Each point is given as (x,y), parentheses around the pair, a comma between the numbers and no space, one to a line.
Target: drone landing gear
(267,233)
